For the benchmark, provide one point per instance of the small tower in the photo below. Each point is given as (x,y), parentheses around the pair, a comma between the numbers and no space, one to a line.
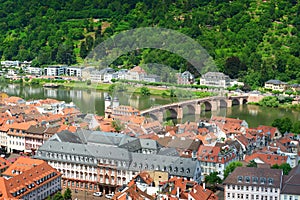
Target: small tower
(107,102)
(115,102)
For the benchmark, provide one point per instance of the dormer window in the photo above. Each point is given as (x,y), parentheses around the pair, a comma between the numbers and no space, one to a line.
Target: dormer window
(247,179)
(270,181)
(254,179)
(262,180)
(240,179)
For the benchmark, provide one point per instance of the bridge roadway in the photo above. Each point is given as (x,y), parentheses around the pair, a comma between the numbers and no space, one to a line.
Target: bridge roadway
(194,106)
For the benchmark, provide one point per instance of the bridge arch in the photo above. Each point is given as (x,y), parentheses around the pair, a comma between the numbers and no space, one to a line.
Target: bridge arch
(245,101)
(206,106)
(170,113)
(153,116)
(188,109)
(223,103)
(235,102)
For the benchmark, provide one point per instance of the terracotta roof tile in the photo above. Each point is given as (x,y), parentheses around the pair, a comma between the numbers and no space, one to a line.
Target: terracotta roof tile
(270,159)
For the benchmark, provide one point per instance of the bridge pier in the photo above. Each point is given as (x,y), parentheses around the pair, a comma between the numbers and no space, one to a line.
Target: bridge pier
(241,100)
(179,112)
(197,109)
(160,116)
(214,105)
(229,103)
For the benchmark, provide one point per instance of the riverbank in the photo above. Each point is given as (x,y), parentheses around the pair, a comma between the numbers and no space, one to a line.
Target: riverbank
(278,102)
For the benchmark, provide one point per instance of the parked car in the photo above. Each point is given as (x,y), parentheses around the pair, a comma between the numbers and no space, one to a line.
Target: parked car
(97,194)
(109,196)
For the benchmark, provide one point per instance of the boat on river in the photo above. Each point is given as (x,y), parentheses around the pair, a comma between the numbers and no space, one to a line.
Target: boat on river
(50,85)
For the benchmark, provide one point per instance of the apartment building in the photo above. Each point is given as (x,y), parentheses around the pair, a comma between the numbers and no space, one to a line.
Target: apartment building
(215,79)
(16,136)
(291,185)
(74,71)
(276,85)
(96,161)
(29,179)
(253,184)
(215,159)
(54,70)
(33,70)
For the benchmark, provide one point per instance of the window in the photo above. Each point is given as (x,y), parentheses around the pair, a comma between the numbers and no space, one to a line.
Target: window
(228,194)
(270,181)
(247,179)
(262,180)
(254,179)
(240,179)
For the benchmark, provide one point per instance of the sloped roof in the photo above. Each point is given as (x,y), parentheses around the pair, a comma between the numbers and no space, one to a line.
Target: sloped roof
(270,159)
(291,182)
(265,174)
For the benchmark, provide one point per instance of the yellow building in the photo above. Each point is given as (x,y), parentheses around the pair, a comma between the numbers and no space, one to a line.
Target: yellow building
(276,85)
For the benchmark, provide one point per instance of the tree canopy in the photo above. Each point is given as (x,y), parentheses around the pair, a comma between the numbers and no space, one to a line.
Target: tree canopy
(286,168)
(231,167)
(251,41)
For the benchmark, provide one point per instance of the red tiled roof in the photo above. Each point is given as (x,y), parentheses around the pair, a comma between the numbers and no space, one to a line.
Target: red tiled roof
(4,163)
(198,192)
(20,165)
(32,174)
(212,154)
(270,159)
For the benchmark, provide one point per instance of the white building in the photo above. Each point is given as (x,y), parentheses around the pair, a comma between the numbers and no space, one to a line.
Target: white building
(73,71)
(96,160)
(253,184)
(291,185)
(215,79)
(54,70)
(29,179)
(10,63)
(215,159)
(33,70)
(16,136)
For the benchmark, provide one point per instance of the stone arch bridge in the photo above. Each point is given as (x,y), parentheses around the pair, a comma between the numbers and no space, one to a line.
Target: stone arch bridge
(194,106)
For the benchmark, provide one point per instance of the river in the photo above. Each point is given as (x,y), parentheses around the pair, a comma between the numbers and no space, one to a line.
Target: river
(92,101)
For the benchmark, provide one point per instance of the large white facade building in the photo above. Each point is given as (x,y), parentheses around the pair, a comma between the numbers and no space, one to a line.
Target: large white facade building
(215,79)
(29,179)
(103,161)
(253,183)
(291,185)
(74,71)
(54,70)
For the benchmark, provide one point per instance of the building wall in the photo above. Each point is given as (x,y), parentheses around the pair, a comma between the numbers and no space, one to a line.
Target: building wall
(289,197)
(244,192)
(15,143)
(96,177)
(44,191)
(3,139)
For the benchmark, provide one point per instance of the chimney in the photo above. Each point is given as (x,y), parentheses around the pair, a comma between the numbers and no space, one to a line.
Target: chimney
(194,189)
(204,187)
(177,193)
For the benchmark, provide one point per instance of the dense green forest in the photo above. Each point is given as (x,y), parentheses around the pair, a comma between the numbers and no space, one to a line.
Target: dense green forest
(253,40)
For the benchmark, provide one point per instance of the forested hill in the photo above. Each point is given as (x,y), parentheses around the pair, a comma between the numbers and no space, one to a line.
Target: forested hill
(254,40)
